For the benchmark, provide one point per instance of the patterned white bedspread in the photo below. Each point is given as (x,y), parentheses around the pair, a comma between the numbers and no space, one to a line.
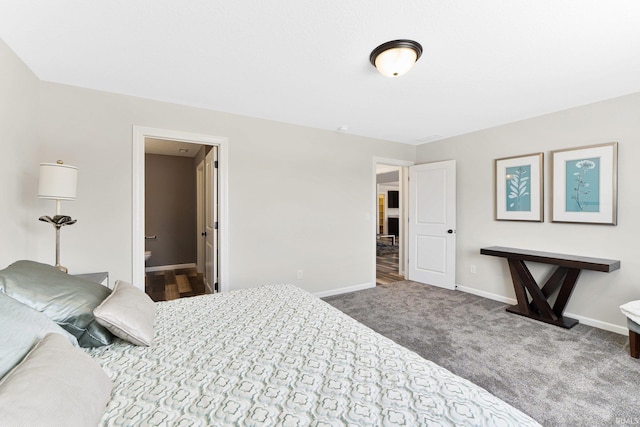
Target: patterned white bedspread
(276,355)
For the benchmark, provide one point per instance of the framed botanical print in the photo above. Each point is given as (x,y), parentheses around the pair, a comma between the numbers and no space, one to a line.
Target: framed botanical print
(519,188)
(584,183)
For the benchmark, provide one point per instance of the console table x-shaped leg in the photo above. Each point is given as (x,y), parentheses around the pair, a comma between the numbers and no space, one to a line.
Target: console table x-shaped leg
(564,278)
(539,307)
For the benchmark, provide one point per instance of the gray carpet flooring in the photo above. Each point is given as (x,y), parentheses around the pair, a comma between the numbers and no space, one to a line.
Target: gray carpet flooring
(578,377)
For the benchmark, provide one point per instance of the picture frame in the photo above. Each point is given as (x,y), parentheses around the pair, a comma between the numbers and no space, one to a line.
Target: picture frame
(518,188)
(584,183)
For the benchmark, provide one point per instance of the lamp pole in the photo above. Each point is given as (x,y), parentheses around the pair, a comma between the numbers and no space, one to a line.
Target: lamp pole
(58,266)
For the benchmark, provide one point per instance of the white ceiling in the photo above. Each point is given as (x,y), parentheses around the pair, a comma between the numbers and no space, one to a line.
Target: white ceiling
(168,147)
(306,62)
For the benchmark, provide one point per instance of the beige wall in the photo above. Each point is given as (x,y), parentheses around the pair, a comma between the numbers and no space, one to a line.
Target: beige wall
(19,89)
(299,198)
(597,295)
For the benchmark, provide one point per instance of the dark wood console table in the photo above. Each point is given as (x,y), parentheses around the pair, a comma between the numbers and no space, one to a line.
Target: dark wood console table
(564,277)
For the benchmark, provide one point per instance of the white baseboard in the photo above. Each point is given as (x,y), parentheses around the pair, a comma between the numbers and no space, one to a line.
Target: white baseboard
(598,324)
(344,290)
(488,295)
(169,267)
(584,320)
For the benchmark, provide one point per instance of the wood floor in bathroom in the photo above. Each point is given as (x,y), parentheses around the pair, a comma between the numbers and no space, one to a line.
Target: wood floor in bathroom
(173,284)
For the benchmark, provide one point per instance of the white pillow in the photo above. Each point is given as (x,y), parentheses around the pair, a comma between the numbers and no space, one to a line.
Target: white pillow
(54,385)
(128,313)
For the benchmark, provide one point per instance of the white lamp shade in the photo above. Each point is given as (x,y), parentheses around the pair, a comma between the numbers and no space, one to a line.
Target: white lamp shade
(57,181)
(396,62)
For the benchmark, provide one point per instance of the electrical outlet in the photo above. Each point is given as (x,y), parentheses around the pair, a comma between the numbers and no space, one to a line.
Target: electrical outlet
(472,269)
(300,275)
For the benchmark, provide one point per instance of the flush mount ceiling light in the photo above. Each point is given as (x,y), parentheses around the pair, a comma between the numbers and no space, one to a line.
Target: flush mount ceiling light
(395,58)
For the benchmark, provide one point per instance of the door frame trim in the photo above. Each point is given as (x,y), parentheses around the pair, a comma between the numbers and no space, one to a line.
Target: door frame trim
(139,133)
(403,209)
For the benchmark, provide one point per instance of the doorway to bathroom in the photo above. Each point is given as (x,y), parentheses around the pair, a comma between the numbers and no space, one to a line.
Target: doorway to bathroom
(179,213)
(180,216)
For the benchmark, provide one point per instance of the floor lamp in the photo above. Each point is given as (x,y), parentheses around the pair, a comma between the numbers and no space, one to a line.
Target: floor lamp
(58,182)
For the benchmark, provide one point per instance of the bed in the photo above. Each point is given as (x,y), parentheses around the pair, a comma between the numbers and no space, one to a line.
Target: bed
(276,355)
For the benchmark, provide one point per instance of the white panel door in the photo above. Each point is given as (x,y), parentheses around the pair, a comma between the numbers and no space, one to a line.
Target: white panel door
(432,223)
(200,237)
(211,219)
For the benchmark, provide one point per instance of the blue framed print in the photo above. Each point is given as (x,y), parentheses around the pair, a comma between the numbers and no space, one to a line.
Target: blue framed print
(584,183)
(582,192)
(518,188)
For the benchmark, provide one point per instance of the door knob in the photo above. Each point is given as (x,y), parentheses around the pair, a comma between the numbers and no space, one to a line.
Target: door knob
(204,233)
(450,231)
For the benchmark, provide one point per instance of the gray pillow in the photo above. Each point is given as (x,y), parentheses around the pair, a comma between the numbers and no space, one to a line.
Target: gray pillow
(128,313)
(67,300)
(21,328)
(55,385)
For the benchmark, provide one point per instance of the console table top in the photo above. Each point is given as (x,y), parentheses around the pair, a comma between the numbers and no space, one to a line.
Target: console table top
(571,261)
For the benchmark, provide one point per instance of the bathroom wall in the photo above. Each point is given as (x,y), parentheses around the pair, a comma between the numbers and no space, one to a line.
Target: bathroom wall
(170,209)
